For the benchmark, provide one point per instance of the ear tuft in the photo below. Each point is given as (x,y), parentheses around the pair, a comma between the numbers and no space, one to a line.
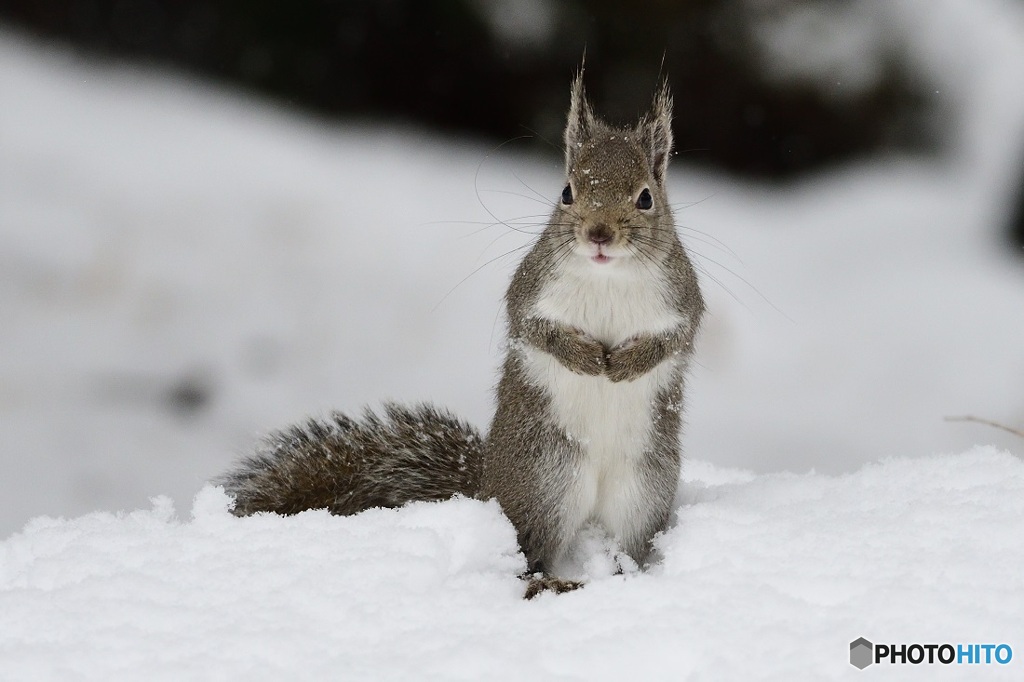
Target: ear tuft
(655,130)
(581,121)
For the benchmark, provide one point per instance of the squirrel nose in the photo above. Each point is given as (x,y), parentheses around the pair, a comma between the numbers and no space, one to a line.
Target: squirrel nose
(599,234)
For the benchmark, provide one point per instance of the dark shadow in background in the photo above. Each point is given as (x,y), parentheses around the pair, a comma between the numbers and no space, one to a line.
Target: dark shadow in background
(447,64)
(1016,231)
(440,63)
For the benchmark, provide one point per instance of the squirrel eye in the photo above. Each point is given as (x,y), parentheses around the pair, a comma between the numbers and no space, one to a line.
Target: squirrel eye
(567,195)
(644,201)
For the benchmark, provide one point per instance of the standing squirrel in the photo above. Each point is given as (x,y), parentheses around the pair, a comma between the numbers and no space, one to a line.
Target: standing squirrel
(602,314)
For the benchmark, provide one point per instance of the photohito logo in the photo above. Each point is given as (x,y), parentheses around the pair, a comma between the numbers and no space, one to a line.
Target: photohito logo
(863,653)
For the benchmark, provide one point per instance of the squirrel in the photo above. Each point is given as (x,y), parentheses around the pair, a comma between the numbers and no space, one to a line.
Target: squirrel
(602,314)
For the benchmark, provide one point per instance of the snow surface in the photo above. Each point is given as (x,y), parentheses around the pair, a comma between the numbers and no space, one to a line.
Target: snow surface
(161,237)
(768,576)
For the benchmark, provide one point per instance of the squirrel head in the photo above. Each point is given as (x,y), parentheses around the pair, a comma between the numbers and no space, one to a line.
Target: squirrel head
(614,199)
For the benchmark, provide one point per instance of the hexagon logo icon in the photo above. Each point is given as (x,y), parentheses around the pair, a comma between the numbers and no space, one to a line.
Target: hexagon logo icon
(861,651)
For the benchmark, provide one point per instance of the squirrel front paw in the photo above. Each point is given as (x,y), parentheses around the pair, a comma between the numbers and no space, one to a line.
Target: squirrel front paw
(581,353)
(633,358)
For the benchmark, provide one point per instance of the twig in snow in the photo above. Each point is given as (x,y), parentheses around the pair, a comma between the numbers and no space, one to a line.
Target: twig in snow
(986,422)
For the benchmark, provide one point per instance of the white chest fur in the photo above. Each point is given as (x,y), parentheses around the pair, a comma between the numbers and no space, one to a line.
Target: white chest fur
(610,305)
(610,421)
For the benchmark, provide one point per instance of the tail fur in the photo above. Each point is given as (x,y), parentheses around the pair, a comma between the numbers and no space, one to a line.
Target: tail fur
(346,465)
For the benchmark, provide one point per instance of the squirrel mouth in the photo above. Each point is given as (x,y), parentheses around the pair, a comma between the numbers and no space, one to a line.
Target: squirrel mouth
(600,257)
(596,252)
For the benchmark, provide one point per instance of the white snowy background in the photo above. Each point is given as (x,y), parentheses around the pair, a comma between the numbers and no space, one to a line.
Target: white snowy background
(161,236)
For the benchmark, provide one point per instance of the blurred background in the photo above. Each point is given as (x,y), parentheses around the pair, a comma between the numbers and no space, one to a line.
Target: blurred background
(498,68)
(217,217)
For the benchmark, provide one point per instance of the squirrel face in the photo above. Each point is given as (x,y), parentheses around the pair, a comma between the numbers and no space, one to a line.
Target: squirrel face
(614,200)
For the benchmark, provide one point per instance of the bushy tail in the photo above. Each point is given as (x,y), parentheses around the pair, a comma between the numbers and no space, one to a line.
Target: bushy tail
(346,465)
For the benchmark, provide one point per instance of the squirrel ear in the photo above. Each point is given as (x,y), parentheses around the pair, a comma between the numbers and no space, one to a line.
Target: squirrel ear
(581,120)
(655,130)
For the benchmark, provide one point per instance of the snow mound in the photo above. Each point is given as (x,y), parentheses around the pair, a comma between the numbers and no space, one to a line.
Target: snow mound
(768,576)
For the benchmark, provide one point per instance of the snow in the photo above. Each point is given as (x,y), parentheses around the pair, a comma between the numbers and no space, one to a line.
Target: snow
(766,575)
(163,238)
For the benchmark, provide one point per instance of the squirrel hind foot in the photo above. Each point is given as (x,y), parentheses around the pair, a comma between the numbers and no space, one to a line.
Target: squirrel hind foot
(538,583)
